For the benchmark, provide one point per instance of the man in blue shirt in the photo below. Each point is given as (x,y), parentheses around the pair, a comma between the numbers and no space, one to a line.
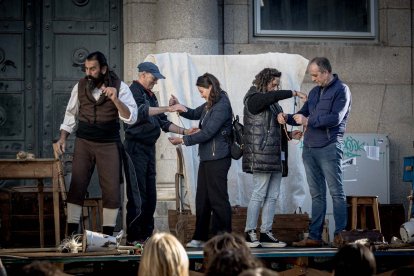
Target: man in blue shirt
(324,117)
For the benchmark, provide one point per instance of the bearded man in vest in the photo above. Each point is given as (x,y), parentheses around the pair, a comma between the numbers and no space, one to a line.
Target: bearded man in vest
(96,104)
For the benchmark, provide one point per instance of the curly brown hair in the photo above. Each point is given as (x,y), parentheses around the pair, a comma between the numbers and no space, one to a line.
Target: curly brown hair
(205,81)
(265,76)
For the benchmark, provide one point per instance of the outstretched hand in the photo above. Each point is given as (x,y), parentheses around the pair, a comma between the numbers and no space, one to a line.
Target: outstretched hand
(192,130)
(302,96)
(175,140)
(173,100)
(177,108)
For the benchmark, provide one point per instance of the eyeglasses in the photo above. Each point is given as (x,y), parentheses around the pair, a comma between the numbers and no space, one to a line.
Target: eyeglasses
(277,86)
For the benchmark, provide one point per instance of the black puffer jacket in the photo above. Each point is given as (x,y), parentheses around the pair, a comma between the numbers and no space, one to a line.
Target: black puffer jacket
(264,139)
(215,127)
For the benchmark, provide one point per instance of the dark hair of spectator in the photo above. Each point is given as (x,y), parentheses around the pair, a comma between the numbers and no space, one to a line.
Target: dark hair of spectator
(355,260)
(230,262)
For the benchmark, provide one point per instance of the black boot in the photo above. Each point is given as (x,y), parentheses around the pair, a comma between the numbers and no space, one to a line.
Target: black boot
(73,229)
(108,230)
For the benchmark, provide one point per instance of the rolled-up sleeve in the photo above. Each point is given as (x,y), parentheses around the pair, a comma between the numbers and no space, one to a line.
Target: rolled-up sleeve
(125,96)
(72,109)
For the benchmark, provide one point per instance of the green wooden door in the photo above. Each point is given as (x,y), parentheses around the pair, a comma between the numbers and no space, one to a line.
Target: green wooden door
(42,47)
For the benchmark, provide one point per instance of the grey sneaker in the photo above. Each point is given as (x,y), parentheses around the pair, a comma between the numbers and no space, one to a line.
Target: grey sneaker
(268,240)
(251,239)
(195,244)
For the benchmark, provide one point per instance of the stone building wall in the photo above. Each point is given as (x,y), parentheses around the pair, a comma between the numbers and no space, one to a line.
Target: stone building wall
(379,72)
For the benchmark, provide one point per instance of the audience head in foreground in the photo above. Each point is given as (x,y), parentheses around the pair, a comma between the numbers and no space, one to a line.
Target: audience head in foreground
(355,260)
(230,262)
(163,255)
(259,271)
(222,242)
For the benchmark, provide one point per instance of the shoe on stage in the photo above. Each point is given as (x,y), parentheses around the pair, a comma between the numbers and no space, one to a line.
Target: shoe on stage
(307,243)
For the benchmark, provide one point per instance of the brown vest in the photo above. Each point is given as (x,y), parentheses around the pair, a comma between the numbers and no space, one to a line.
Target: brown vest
(96,111)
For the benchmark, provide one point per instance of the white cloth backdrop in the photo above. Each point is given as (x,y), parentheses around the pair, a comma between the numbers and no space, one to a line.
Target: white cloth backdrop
(235,73)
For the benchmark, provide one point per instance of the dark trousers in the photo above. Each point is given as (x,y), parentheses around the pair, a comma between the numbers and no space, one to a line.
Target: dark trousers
(143,158)
(106,158)
(212,198)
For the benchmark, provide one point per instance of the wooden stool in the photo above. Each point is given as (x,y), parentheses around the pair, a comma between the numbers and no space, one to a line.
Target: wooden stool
(364,201)
(92,209)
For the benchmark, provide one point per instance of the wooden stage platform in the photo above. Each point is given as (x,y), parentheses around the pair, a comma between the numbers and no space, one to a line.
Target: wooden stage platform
(319,258)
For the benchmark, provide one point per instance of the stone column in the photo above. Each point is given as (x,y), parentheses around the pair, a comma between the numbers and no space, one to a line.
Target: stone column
(187,26)
(139,34)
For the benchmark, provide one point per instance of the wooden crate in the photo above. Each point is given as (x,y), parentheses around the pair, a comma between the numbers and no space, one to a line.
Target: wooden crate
(287,227)
(290,227)
(238,219)
(182,225)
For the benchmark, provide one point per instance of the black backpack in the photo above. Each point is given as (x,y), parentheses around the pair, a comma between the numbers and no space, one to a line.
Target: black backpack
(237,144)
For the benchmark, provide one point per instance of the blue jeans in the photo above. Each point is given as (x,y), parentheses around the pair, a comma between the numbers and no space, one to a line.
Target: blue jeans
(265,192)
(323,167)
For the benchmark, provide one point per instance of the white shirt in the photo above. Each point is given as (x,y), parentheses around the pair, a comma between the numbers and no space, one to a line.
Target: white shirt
(72,110)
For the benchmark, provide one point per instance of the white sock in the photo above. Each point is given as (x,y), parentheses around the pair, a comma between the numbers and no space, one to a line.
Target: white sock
(74,213)
(109,216)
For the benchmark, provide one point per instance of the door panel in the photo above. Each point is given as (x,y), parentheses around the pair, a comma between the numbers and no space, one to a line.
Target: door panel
(43,44)
(11,84)
(72,30)
(11,55)
(74,49)
(17,109)
(11,10)
(86,10)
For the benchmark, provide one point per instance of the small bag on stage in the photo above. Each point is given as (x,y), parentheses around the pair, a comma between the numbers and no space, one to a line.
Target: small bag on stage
(237,144)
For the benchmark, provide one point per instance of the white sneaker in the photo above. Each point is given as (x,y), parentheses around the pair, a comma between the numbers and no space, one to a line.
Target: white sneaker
(195,244)
(251,239)
(268,240)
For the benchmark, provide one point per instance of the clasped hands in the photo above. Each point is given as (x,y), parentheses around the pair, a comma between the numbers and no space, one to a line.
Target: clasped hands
(299,119)
(176,106)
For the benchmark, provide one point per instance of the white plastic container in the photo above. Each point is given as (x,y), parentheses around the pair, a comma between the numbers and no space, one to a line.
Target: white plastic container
(94,242)
(407,231)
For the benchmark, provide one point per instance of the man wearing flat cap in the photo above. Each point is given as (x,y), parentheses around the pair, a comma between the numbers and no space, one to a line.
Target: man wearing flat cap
(140,139)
